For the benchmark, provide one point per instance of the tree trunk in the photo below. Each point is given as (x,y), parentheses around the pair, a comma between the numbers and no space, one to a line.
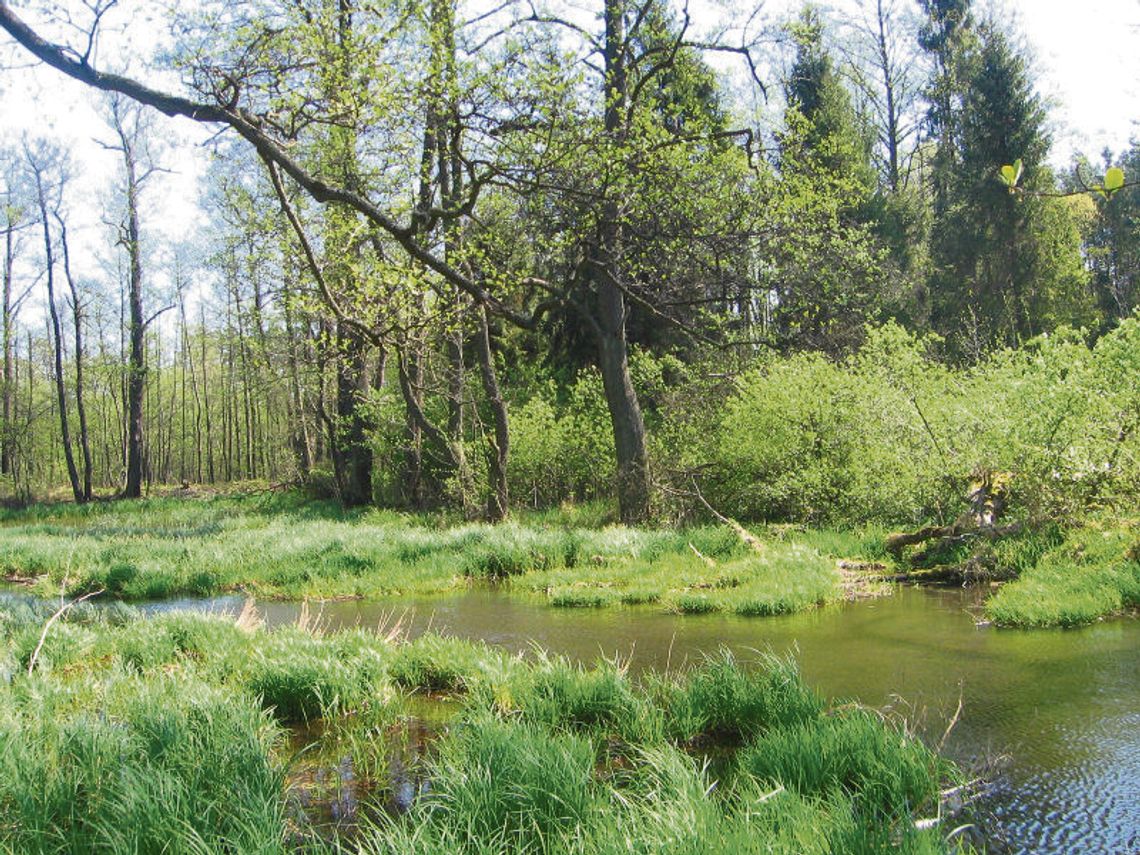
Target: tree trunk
(633,481)
(7,387)
(302,446)
(80,408)
(352,454)
(410,365)
(57,340)
(136,361)
(498,498)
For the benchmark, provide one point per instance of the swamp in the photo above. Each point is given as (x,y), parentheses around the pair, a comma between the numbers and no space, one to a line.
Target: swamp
(607,427)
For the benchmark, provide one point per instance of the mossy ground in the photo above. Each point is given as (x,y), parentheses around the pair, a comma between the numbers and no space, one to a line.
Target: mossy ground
(168,734)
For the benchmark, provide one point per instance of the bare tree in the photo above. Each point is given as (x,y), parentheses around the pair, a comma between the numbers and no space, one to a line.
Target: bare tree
(77,308)
(131,129)
(49,175)
(883,61)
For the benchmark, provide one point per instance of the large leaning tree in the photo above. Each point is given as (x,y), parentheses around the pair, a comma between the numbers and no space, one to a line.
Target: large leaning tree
(538,96)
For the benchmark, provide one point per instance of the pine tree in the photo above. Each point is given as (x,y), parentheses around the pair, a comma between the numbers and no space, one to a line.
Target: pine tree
(1007,265)
(832,136)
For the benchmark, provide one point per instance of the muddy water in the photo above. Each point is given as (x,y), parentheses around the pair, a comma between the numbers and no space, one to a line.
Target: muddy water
(1057,711)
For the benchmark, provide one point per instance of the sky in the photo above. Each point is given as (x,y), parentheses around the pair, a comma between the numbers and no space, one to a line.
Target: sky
(1086,64)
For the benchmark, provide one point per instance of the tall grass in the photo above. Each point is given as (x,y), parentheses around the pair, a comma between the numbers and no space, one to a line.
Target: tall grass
(148,766)
(280,546)
(1092,573)
(166,735)
(723,701)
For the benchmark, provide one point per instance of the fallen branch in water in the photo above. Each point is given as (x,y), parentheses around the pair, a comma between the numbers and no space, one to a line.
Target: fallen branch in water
(51,620)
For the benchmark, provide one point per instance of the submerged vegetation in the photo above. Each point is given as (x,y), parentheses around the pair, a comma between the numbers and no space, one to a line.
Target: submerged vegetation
(170,734)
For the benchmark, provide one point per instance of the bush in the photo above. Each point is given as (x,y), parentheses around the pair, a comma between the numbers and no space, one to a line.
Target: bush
(891,436)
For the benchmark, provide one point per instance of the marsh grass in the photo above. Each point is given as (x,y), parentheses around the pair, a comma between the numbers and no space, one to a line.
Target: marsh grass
(721,701)
(282,546)
(886,773)
(1092,573)
(165,735)
(784,578)
(142,766)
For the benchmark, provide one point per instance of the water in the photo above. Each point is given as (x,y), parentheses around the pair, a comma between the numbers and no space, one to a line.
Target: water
(1055,712)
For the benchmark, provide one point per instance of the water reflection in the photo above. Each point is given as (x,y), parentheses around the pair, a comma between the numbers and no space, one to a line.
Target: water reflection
(1063,706)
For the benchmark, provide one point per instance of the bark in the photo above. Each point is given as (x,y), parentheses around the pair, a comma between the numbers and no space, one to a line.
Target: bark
(498,499)
(80,407)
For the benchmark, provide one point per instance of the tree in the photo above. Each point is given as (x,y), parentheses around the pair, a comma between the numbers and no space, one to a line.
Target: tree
(1007,265)
(833,136)
(821,258)
(947,35)
(130,126)
(78,319)
(1112,244)
(263,87)
(16,219)
(882,60)
(50,174)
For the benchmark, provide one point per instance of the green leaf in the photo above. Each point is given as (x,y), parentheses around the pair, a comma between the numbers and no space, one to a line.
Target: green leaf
(1010,174)
(1114,179)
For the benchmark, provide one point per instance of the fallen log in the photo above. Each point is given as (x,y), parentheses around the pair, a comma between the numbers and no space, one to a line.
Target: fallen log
(896,542)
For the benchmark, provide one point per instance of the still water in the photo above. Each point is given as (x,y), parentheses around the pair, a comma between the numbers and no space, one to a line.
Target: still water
(1051,716)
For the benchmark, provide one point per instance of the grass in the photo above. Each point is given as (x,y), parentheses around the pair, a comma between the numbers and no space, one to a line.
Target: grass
(166,735)
(1094,572)
(784,578)
(141,763)
(721,701)
(281,546)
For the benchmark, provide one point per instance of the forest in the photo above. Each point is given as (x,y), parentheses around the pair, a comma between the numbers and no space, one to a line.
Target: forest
(629,307)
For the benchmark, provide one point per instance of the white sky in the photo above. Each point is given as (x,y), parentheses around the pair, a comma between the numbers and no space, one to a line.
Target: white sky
(1087,64)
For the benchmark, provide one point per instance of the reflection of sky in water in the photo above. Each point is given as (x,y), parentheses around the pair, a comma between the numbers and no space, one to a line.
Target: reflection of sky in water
(1063,705)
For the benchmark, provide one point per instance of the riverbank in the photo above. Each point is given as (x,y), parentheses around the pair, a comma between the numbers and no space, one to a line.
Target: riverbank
(1092,573)
(280,545)
(174,732)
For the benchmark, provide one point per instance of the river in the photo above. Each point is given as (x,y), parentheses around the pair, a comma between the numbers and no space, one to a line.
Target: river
(1052,717)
